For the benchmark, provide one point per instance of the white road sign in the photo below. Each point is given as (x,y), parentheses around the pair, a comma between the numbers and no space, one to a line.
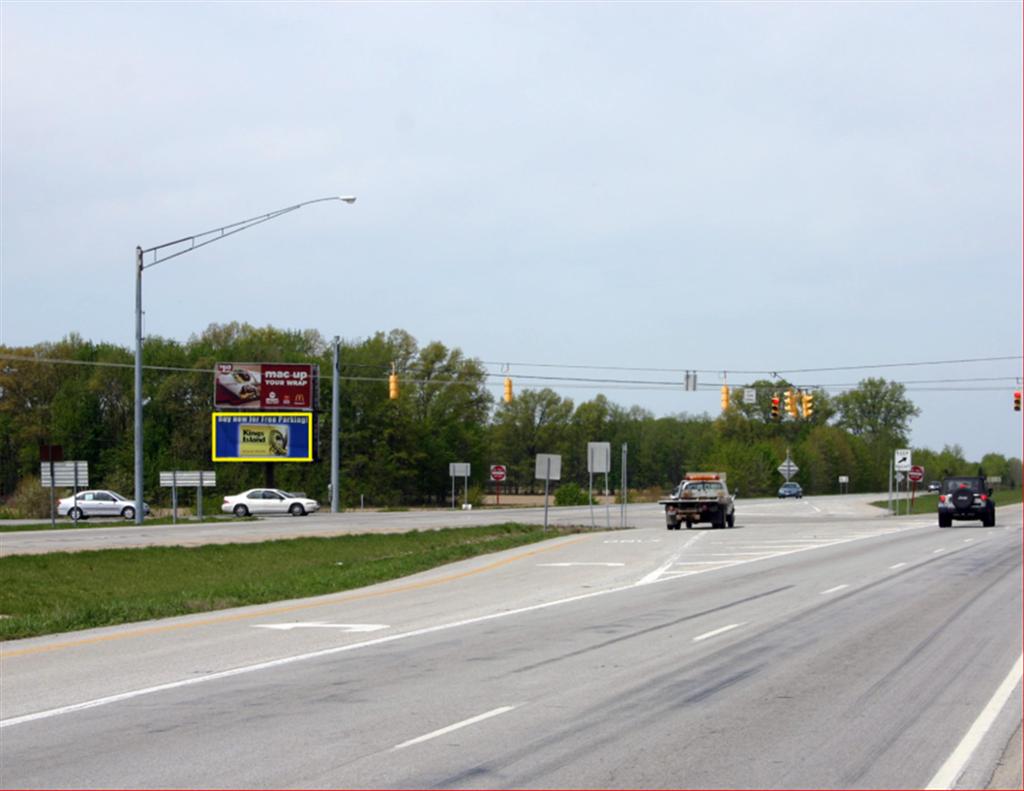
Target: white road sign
(64,474)
(903,462)
(191,478)
(788,468)
(599,457)
(458,469)
(542,469)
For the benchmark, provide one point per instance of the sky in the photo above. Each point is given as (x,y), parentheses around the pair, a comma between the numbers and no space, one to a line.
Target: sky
(556,189)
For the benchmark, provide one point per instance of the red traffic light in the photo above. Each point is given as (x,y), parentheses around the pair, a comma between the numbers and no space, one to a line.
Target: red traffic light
(1016,400)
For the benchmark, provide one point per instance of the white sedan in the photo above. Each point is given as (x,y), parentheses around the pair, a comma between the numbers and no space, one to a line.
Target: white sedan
(97,502)
(268,501)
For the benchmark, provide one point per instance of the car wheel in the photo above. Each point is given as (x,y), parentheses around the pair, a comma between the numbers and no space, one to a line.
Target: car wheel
(989,520)
(128,512)
(297,510)
(945,521)
(241,511)
(689,524)
(76,513)
(731,519)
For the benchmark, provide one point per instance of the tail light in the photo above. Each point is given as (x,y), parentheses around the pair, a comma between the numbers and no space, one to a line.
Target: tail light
(942,498)
(984,497)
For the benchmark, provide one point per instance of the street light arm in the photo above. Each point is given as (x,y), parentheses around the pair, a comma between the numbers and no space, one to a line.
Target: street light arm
(228,230)
(197,241)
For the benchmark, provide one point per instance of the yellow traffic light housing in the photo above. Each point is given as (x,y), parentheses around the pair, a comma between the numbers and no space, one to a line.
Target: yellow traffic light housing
(775,407)
(508,390)
(393,386)
(725,397)
(808,405)
(791,403)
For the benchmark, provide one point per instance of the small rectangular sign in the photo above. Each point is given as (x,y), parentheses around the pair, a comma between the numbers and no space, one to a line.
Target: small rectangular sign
(458,469)
(902,460)
(599,457)
(64,474)
(552,471)
(208,478)
(263,436)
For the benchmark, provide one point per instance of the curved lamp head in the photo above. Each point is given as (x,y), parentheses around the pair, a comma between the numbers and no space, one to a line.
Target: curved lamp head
(347,198)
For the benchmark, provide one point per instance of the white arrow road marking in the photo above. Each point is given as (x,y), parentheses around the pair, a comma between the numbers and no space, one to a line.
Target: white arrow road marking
(455,727)
(565,565)
(345,627)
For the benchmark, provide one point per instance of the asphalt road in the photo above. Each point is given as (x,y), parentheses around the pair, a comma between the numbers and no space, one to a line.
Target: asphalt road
(815,645)
(328,524)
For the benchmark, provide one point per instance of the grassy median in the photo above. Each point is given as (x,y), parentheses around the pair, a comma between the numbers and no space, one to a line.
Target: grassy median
(66,591)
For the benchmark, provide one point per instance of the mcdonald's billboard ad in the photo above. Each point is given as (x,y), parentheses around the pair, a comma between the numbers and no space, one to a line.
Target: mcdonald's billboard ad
(266,386)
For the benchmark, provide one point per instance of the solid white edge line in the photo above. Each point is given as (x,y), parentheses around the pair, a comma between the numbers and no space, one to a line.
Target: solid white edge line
(716,632)
(455,727)
(954,766)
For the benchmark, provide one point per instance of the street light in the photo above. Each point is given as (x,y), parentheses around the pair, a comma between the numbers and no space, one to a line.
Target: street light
(194,243)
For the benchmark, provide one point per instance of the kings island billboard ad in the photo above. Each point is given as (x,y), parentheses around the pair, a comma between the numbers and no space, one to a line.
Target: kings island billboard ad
(265,386)
(263,436)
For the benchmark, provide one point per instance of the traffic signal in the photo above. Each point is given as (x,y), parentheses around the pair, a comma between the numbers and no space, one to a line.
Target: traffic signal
(1016,400)
(791,403)
(508,390)
(808,405)
(393,386)
(725,397)
(775,407)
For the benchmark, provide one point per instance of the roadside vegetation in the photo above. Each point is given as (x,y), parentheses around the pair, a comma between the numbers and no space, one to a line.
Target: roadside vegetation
(78,394)
(923,504)
(67,591)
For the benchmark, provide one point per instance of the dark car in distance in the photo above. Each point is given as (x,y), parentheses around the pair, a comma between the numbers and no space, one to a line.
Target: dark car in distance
(966,497)
(791,489)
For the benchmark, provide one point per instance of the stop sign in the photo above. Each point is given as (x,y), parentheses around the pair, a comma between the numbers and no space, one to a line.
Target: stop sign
(916,474)
(498,472)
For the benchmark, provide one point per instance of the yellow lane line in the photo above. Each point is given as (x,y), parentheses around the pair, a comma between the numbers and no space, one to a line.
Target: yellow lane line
(263,613)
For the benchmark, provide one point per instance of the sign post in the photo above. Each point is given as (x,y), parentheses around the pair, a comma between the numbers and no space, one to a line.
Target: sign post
(459,469)
(197,478)
(916,475)
(65,473)
(902,463)
(548,467)
(498,474)
(599,459)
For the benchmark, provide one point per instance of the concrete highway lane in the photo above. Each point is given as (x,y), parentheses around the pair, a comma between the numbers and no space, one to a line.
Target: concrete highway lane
(809,647)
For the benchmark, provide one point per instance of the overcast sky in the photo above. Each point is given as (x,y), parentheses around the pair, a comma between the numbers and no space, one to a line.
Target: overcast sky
(722,187)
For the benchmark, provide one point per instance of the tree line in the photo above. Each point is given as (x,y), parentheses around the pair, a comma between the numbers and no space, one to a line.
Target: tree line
(78,394)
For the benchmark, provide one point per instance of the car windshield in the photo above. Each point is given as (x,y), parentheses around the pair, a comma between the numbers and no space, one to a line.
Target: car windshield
(954,484)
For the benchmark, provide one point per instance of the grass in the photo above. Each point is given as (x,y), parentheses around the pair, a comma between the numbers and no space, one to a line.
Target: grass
(64,523)
(66,591)
(923,504)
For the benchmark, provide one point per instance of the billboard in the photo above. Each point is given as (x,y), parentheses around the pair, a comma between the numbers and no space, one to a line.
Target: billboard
(266,386)
(263,436)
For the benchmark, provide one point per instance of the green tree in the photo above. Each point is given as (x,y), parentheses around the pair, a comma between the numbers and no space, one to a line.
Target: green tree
(877,410)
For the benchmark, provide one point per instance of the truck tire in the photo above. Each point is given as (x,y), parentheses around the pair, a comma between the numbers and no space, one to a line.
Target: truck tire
(689,524)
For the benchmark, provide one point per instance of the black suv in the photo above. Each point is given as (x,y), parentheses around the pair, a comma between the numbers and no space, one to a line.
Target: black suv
(966,498)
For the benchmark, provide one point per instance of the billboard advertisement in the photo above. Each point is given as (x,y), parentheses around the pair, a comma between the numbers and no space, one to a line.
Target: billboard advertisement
(263,436)
(265,386)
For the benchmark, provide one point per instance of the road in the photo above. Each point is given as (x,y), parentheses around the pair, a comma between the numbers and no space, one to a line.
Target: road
(815,645)
(348,522)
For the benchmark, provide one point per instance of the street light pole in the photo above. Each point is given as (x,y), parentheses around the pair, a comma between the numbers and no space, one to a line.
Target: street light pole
(159,256)
(336,366)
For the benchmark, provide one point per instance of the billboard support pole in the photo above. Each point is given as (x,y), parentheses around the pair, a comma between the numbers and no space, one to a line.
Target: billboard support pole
(199,496)
(174,497)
